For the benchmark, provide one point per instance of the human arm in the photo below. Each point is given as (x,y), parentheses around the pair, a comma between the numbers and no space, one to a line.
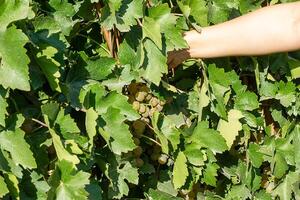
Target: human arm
(268,30)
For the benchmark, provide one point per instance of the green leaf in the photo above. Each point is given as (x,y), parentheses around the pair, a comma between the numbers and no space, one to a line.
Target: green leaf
(159,195)
(3,106)
(61,152)
(68,182)
(286,93)
(281,165)
(91,123)
(295,68)
(255,156)
(180,171)
(285,189)
(13,11)
(63,14)
(117,101)
(15,144)
(194,155)
(151,30)
(246,101)
(66,123)
(206,137)
(155,63)
(210,174)
(3,188)
(116,132)
(98,69)
(162,138)
(195,8)
(230,129)
(50,66)
(14,65)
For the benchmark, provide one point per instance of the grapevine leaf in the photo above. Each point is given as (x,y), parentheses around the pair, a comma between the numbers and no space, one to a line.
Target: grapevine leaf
(286,93)
(151,30)
(295,68)
(284,189)
(49,66)
(66,123)
(159,195)
(162,138)
(3,188)
(180,171)
(119,137)
(63,15)
(206,137)
(195,8)
(12,11)
(91,123)
(255,156)
(68,183)
(98,69)
(155,63)
(61,152)
(230,129)
(210,173)
(246,101)
(281,165)
(3,106)
(117,101)
(14,65)
(14,142)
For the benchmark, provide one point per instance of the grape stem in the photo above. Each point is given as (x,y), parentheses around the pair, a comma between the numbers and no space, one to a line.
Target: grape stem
(152,140)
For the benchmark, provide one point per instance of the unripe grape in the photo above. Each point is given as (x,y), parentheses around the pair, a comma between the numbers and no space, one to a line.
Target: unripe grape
(139,127)
(162,103)
(136,105)
(154,102)
(159,108)
(146,114)
(138,162)
(140,96)
(163,158)
(170,162)
(142,108)
(149,97)
(154,156)
(136,141)
(137,151)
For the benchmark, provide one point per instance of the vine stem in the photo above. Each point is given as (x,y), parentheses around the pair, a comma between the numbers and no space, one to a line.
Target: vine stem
(39,122)
(152,140)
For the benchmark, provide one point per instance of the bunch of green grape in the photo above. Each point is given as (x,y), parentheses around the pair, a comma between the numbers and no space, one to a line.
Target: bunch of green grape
(144,101)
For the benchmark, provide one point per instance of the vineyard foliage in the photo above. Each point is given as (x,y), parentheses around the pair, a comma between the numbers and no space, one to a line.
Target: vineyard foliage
(89,109)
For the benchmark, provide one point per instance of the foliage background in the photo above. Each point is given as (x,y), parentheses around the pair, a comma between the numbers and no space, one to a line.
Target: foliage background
(229,128)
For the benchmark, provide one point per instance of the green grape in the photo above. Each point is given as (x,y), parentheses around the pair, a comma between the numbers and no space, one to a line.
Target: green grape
(136,105)
(139,127)
(163,158)
(137,151)
(138,162)
(154,102)
(136,141)
(159,108)
(154,156)
(142,108)
(148,97)
(140,96)
(146,113)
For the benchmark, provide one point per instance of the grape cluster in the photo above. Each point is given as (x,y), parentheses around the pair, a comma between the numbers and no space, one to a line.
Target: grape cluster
(146,104)
(144,101)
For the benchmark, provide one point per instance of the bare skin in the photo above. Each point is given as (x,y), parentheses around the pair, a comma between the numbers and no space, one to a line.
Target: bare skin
(268,30)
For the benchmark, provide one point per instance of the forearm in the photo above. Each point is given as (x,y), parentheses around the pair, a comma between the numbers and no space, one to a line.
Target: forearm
(268,30)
